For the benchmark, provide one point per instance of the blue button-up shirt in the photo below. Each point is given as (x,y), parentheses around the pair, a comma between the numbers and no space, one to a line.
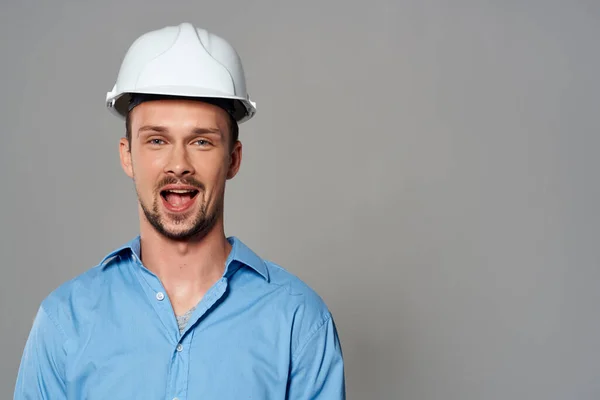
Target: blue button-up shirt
(111,333)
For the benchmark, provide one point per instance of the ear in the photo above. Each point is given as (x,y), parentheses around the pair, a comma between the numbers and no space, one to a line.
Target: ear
(235,159)
(125,154)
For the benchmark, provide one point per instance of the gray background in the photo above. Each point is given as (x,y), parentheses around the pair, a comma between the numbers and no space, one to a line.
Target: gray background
(429,167)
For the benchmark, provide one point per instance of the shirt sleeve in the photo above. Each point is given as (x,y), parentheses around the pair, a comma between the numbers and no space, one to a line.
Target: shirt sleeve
(317,371)
(41,372)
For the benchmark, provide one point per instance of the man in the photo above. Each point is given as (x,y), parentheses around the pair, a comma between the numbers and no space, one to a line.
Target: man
(182,311)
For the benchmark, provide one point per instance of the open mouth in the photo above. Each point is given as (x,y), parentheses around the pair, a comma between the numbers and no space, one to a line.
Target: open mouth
(179,198)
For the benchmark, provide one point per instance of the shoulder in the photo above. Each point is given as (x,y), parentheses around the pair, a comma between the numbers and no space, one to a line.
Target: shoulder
(84,289)
(70,304)
(296,288)
(307,310)
(291,291)
(72,292)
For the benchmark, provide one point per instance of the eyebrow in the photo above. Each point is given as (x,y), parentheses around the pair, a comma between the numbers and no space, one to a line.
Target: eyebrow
(162,129)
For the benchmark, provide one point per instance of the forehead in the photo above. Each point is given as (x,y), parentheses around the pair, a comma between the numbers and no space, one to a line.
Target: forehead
(178,115)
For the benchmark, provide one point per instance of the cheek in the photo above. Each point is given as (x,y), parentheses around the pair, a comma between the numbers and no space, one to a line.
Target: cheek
(213,175)
(146,172)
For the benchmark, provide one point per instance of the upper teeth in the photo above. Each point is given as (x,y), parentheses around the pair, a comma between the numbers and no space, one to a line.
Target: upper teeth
(180,191)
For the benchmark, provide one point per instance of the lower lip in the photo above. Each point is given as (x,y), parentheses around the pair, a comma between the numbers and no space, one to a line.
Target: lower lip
(180,209)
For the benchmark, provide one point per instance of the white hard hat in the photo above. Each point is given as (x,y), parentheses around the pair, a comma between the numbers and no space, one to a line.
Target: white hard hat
(182,61)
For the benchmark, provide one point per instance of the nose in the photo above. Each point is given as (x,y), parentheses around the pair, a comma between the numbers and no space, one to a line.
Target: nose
(179,163)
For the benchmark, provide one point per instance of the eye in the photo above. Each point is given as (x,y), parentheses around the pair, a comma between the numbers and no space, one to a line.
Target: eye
(156,141)
(202,142)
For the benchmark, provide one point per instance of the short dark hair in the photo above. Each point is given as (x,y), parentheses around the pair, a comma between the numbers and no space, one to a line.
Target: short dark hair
(234,130)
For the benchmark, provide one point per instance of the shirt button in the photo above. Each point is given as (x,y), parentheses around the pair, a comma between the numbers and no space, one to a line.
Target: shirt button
(179,348)
(160,296)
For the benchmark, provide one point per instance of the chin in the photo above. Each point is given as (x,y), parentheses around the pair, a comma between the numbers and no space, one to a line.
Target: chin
(189,229)
(177,233)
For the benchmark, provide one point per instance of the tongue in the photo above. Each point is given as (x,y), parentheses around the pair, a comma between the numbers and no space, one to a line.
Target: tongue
(178,200)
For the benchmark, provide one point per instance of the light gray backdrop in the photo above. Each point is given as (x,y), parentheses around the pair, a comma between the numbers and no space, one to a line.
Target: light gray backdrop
(429,167)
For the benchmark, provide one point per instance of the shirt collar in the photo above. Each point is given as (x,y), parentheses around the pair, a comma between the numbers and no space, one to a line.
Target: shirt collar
(239,252)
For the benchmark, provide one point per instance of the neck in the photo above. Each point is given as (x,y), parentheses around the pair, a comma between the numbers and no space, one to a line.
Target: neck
(187,269)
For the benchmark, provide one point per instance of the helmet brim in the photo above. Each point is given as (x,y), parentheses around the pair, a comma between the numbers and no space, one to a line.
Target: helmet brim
(243,109)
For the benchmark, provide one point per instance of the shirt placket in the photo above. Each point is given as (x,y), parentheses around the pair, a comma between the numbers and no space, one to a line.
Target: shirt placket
(181,343)
(178,379)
